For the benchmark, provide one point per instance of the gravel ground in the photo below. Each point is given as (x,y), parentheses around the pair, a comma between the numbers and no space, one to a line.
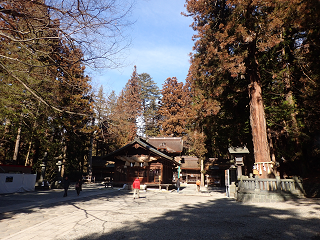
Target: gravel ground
(114,214)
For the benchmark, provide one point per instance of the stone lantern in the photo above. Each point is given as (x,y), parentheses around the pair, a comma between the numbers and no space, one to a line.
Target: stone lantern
(237,153)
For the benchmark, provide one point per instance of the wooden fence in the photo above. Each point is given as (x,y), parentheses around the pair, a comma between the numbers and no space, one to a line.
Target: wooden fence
(270,184)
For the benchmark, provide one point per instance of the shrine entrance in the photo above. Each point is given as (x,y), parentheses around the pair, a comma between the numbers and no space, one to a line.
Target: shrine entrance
(140,159)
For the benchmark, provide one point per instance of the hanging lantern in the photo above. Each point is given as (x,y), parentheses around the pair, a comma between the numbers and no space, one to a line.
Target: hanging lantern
(136,164)
(127,164)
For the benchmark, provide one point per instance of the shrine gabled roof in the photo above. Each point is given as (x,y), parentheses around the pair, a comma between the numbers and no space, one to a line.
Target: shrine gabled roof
(170,144)
(190,162)
(129,149)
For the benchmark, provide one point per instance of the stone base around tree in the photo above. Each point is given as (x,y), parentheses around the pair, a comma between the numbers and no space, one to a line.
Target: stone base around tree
(267,196)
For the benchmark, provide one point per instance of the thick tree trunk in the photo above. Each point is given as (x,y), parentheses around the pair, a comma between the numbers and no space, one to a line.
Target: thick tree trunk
(257,116)
(259,132)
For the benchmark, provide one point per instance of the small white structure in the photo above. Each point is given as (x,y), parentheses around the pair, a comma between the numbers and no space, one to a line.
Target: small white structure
(17,182)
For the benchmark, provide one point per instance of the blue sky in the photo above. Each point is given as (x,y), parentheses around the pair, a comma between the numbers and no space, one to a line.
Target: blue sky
(161,44)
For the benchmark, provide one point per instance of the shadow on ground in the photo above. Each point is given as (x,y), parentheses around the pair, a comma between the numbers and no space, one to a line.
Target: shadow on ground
(218,219)
(32,202)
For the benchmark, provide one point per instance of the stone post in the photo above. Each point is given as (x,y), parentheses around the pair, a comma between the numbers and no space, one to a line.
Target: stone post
(43,171)
(256,183)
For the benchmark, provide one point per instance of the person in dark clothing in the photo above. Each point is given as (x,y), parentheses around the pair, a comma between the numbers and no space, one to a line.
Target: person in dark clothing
(66,184)
(79,186)
(178,184)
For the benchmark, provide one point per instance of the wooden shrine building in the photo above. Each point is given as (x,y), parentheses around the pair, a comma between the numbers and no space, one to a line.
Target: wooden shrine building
(141,159)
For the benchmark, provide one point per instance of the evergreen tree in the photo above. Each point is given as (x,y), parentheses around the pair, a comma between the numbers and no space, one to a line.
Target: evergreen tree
(150,95)
(100,108)
(219,100)
(127,111)
(174,108)
(260,44)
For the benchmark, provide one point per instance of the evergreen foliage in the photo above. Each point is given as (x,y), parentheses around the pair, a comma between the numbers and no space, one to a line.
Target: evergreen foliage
(48,103)
(150,95)
(174,108)
(246,46)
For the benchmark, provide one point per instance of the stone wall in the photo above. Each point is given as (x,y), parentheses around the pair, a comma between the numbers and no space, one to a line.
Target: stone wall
(268,190)
(258,195)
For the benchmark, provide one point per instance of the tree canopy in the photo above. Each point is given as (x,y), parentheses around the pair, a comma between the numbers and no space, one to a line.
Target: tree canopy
(45,46)
(261,48)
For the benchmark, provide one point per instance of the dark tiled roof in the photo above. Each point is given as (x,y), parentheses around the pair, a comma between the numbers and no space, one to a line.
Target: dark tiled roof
(189,162)
(143,144)
(170,144)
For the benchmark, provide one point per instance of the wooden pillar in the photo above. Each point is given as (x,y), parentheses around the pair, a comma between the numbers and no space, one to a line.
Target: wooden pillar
(201,172)
(187,176)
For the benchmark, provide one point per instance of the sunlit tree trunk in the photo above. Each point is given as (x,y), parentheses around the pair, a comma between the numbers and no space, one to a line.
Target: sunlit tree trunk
(16,148)
(27,163)
(257,115)
(258,126)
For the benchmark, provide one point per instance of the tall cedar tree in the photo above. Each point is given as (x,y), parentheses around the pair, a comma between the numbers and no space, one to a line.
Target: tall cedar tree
(218,99)
(129,108)
(41,68)
(308,61)
(49,75)
(150,95)
(260,44)
(110,132)
(174,108)
(111,125)
(16,69)
(239,31)
(100,109)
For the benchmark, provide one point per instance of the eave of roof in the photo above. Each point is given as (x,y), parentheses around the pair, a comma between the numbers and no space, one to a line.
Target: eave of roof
(238,150)
(145,145)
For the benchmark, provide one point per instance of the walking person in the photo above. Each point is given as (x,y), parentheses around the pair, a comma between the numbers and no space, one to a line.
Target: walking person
(136,188)
(198,185)
(79,186)
(66,183)
(178,184)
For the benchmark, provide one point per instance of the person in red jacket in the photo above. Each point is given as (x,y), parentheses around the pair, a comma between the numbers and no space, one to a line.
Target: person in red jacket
(136,187)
